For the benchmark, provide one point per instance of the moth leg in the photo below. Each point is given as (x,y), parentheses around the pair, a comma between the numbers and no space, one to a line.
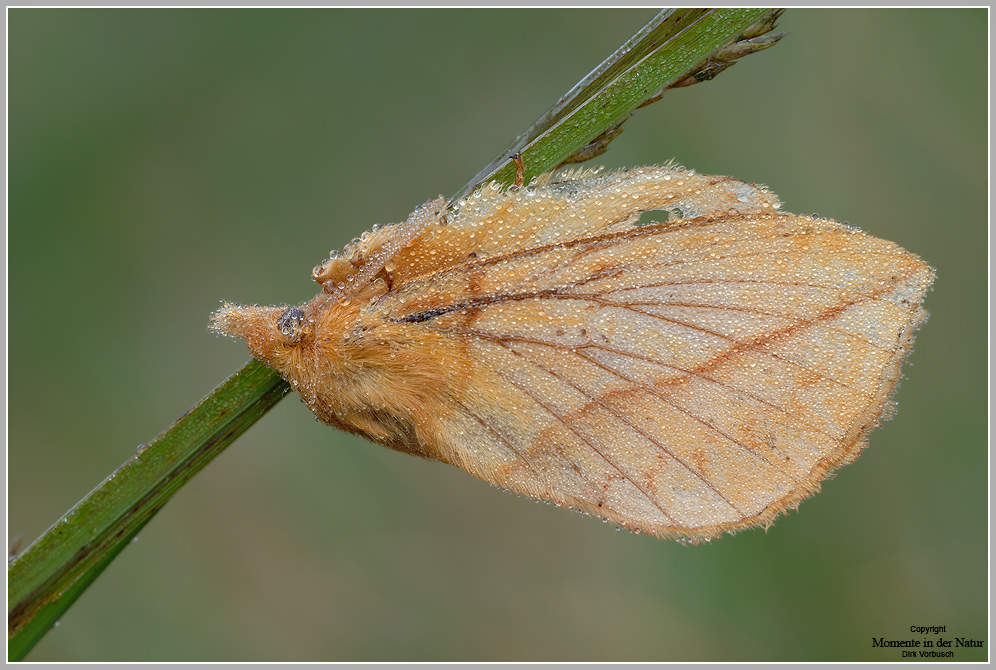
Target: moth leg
(597,146)
(752,40)
(520,170)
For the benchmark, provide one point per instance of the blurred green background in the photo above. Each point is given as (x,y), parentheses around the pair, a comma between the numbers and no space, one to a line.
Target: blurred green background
(162,160)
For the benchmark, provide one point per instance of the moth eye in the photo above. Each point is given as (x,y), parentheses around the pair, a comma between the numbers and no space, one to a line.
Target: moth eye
(289,323)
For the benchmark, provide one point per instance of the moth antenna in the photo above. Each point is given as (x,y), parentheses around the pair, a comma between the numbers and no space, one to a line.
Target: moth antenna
(406,233)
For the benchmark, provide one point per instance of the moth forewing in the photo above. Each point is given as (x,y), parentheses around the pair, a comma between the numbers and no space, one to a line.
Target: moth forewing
(679,378)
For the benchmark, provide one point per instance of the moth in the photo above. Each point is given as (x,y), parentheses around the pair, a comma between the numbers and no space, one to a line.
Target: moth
(691,374)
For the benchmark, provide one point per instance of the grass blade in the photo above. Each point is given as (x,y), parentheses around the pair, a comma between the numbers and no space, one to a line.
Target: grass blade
(48,577)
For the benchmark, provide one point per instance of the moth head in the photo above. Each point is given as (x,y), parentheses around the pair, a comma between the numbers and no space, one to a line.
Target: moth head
(271,333)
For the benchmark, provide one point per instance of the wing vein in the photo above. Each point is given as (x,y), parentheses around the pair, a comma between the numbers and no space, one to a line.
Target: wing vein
(595,449)
(646,359)
(656,392)
(647,436)
(519,454)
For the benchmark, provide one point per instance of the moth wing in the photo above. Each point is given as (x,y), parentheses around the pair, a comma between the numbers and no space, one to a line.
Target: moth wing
(683,378)
(557,208)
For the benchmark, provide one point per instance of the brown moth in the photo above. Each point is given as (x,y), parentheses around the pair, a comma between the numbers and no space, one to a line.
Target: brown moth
(681,378)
